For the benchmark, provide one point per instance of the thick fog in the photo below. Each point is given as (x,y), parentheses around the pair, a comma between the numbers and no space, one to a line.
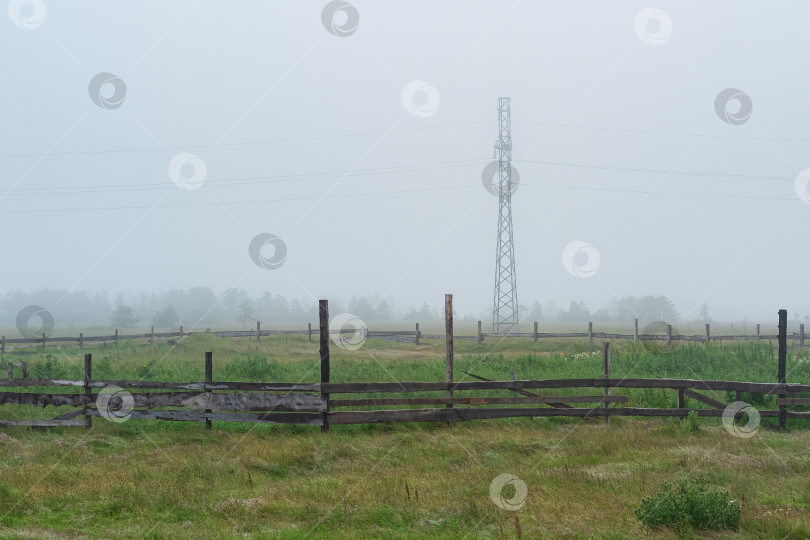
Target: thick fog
(146,146)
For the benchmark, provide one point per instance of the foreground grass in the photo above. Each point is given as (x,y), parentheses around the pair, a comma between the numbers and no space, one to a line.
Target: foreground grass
(166,480)
(584,480)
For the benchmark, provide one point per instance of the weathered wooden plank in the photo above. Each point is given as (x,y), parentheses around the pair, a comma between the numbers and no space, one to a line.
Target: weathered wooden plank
(225,402)
(256,386)
(789,402)
(256,401)
(70,415)
(394,387)
(475,400)
(397,387)
(310,419)
(463,414)
(43,423)
(521,392)
(704,399)
(41,400)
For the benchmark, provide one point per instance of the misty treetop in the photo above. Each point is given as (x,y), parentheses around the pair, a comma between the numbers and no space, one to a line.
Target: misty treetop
(201,306)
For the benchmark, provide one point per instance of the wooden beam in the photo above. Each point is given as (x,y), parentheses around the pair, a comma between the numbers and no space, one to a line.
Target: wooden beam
(88,391)
(209,376)
(782,359)
(460,414)
(310,419)
(256,401)
(789,402)
(704,399)
(606,371)
(477,401)
(43,423)
(323,318)
(448,342)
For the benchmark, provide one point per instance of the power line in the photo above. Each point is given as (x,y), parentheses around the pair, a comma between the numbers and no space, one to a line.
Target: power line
(244,143)
(395,169)
(225,203)
(418,167)
(399,192)
(662,171)
(656,132)
(401,130)
(665,193)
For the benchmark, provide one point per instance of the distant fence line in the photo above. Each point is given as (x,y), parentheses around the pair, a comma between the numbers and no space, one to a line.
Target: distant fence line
(314,403)
(413,336)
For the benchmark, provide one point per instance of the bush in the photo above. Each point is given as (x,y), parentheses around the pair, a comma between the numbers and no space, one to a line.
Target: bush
(145,371)
(252,368)
(689,505)
(50,369)
(693,422)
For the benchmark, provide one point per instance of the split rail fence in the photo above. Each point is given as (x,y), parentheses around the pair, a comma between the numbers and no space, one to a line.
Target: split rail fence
(407,336)
(325,403)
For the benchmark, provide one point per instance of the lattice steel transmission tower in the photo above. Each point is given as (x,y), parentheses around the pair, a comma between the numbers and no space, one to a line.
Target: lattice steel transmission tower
(505,310)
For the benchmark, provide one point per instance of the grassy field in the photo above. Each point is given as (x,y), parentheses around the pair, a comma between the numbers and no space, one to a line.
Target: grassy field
(584,479)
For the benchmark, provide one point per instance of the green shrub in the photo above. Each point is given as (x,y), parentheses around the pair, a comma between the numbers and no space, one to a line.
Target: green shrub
(145,371)
(689,505)
(253,368)
(693,422)
(49,369)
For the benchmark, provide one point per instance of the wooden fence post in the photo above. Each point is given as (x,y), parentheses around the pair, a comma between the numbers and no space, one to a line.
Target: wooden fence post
(43,342)
(782,362)
(669,334)
(448,341)
(635,330)
(534,334)
(152,335)
(480,336)
(88,391)
(758,331)
(181,331)
(309,332)
(801,335)
(681,400)
(258,331)
(116,337)
(590,331)
(418,333)
(709,333)
(323,315)
(10,369)
(606,369)
(209,377)
(81,340)
(24,368)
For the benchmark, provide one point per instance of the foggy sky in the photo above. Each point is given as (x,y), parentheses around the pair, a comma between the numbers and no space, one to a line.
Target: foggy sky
(223,81)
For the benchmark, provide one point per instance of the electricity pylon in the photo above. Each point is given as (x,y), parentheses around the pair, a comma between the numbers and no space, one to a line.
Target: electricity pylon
(505,310)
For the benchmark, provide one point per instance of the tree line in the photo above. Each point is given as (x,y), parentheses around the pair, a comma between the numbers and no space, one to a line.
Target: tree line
(201,306)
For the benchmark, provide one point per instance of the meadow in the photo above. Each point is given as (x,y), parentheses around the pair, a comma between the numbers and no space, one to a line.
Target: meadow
(584,478)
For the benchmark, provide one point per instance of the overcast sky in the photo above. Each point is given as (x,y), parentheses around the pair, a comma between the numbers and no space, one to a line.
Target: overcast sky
(361,147)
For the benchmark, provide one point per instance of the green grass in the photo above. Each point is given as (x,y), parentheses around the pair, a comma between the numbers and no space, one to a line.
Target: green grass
(135,480)
(173,479)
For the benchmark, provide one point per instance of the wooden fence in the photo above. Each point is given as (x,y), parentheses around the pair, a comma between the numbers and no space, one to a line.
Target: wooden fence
(405,336)
(323,403)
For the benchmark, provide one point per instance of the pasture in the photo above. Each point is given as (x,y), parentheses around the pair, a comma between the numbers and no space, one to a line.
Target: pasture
(584,478)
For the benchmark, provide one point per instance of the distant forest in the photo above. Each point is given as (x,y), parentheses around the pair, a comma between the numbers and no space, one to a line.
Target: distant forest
(201,306)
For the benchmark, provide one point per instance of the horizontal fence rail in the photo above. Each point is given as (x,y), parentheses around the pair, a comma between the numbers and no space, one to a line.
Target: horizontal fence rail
(302,403)
(317,403)
(401,336)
